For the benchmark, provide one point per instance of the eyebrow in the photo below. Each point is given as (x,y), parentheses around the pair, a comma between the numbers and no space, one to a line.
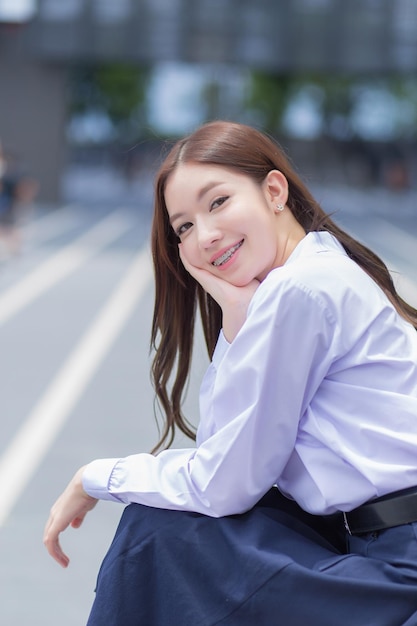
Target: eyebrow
(207,188)
(210,185)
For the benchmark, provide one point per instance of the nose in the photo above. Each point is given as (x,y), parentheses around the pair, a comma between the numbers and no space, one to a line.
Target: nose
(208,232)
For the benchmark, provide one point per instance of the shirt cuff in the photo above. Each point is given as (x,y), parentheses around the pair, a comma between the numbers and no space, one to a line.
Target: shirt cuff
(220,350)
(96,479)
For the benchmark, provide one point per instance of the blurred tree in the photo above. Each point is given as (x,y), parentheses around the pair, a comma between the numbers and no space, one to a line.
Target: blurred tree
(337,103)
(271,95)
(367,123)
(114,89)
(340,98)
(268,98)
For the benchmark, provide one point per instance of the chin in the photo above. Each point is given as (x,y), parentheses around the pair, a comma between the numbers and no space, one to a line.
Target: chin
(242,282)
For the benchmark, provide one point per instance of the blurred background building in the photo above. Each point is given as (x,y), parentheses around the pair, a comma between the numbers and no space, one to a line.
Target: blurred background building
(104,81)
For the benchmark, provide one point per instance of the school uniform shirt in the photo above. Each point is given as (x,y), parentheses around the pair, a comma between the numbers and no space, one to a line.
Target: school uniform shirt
(317,394)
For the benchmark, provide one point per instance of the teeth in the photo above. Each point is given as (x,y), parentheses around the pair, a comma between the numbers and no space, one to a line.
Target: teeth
(226,256)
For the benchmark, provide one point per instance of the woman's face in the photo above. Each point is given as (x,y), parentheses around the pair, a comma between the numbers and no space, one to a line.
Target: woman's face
(226,222)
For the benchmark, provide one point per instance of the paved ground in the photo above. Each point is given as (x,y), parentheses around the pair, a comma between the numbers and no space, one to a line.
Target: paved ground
(75,314)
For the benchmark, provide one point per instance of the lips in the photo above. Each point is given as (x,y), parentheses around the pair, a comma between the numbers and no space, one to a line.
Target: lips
(225,256)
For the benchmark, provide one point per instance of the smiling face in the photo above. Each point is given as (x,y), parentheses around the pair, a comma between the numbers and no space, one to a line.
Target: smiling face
(228,224)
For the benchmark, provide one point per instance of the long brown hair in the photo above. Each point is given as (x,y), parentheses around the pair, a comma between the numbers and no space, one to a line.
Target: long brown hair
(178,296)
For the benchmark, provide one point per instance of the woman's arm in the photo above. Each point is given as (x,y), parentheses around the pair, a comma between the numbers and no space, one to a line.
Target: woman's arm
(251,402)
(249,421)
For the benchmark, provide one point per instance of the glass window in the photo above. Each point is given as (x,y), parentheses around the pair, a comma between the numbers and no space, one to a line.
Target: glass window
(111,11)
(60,10)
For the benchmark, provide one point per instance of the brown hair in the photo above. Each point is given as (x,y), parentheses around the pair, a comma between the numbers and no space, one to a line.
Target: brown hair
(178,295)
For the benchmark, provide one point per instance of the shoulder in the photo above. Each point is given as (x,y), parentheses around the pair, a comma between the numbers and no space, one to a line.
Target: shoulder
(319,274)
(320,262)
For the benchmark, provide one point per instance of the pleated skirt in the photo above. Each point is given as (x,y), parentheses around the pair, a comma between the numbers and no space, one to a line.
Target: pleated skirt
(272,566)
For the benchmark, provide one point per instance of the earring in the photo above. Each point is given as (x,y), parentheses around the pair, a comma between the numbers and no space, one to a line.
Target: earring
(279,208)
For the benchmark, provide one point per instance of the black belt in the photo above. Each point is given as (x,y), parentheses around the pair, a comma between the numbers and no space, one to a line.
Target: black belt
(394,509)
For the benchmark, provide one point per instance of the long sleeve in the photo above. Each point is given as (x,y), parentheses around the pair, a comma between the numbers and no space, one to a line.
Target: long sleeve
(251,404)
(317,393)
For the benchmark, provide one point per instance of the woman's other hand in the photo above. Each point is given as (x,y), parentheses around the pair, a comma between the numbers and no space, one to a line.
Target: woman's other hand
(233,301)
(69,510)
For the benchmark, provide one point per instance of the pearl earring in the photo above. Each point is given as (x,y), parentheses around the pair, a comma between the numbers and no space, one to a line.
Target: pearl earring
(279,208)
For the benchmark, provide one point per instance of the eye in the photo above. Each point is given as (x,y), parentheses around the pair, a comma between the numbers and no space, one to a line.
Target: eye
(218,202)
(183,228)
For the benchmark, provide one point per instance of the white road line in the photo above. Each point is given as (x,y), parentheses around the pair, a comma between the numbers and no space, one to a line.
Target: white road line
(58,266)
(35,437)
(52,224)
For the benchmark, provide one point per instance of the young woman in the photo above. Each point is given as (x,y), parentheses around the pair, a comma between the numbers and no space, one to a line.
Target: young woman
(299,503)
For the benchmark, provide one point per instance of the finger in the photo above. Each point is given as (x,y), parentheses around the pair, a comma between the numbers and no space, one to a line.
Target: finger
(183,258)
(200,275)
(53,547)
(192,269)
(59,555)
(77,521)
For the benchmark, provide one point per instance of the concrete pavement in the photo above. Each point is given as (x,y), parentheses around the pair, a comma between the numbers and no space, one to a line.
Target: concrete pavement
(75,315)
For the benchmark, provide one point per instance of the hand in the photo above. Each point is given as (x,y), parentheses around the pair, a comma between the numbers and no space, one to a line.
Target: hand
(69,510)
(233,301)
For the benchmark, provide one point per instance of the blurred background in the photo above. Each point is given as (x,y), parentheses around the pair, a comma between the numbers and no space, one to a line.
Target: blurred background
(90,93)
(100,83)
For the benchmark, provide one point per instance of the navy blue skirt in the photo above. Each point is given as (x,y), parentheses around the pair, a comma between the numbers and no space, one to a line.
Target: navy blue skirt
(274,565)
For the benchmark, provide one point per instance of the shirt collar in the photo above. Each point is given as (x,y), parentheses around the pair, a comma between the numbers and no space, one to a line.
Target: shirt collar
(315,242)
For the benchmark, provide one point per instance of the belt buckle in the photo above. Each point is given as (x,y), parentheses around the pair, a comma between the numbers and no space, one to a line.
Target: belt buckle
(346,523)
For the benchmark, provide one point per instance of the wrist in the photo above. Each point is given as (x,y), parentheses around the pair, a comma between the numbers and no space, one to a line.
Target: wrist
(233,321)
(79,484)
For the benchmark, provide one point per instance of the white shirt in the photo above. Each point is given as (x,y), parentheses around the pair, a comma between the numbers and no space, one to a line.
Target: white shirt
(317,393)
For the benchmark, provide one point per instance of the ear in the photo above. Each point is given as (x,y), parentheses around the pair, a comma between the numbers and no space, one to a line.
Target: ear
(276,188)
